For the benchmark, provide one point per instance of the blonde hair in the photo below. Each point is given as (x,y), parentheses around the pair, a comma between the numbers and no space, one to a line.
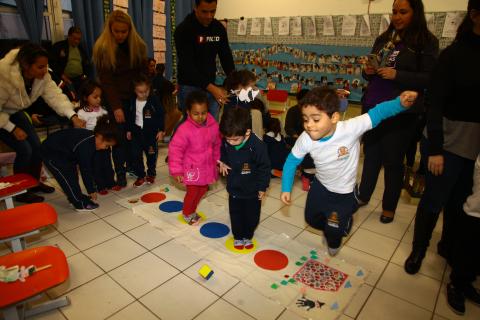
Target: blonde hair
(105,47)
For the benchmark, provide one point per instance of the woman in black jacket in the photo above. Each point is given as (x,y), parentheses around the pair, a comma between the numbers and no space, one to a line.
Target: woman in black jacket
(402,58)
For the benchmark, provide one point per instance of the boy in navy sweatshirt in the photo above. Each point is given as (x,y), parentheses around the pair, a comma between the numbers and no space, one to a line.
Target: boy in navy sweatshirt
(245,162)
(64,150)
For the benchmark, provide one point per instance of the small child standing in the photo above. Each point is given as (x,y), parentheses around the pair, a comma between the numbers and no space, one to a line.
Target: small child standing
(90,110)
(194,152)
(145,127)
(64,150)
(278,149)
(335,148)
(245,162)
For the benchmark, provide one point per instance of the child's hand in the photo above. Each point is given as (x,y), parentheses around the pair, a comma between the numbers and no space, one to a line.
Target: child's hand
(407,98)
(179,179)
(129,135)
(223,168)
(261,195)
(160,135)
(93,196)
(285,197)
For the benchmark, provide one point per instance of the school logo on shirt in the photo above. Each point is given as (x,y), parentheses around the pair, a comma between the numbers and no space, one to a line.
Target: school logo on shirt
(148,114)
(151,150)
(204,39)
(246,168)
(333,220)
(343,153)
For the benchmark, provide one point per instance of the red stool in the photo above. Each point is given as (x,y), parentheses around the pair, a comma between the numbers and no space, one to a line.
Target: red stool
(20,222)
(14,294)
(18,184)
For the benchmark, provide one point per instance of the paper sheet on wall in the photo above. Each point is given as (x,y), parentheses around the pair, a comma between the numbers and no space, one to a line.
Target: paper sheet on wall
(296,26)
(267,26)
(365,26)
(452,21)
(349,24)
(430,17)
(310,26)
(256,28)
(284,26)
(242,27)
(328,26)
(384,23)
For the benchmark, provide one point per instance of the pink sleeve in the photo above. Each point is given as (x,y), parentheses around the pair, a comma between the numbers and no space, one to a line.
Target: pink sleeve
(176,152)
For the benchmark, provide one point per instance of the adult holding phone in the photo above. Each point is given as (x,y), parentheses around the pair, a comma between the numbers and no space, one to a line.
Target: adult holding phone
(120,56)
(405,54)
(23,79)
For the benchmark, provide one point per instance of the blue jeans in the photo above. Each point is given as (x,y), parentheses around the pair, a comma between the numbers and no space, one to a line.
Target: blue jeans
(183,92)
(28,159)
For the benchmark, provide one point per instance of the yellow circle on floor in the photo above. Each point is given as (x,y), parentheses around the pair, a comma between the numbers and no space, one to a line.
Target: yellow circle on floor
(229,245)
(201,214)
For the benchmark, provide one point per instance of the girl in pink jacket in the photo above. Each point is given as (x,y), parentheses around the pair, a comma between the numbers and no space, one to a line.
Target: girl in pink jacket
(193,153)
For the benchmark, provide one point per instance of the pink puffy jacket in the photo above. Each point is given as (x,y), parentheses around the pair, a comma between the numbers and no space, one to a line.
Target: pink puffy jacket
(194,151)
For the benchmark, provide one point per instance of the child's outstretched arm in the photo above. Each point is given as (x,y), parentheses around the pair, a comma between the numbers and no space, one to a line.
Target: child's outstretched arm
(288,175)
(393,107)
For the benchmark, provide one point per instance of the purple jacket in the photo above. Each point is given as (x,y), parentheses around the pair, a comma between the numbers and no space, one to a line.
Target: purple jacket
(194,151)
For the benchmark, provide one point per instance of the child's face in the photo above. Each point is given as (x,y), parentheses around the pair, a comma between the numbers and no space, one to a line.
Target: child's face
(102,144)
(95,98)
(317,123)
(142,91)
(198,112)
(238,140)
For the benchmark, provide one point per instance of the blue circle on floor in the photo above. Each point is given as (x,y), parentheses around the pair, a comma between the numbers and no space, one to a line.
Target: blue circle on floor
(171,206)
(214,230)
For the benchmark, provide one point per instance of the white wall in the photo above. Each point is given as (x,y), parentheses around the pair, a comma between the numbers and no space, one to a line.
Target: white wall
(234,9)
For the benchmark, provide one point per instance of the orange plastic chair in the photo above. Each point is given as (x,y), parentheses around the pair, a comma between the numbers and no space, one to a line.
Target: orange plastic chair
(17,294)
(275,98)
(18,184)
(18,223)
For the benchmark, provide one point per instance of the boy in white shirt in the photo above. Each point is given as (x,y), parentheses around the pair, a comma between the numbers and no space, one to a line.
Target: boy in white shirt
(335,148)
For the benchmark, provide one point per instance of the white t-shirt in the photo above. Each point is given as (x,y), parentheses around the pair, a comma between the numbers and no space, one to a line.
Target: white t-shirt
(139,105)
(336,159)
(90,117)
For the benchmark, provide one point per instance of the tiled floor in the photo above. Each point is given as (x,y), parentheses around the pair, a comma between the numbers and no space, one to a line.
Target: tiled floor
(123,268)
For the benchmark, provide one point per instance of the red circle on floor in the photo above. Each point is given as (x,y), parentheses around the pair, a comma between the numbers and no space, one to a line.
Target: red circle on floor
(153,197)
(271,260)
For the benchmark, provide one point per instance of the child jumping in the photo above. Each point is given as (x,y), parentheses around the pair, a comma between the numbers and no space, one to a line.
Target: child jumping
(64,150)
(145,127)
(335,148)
(194,152)
(245,162)
(90,110)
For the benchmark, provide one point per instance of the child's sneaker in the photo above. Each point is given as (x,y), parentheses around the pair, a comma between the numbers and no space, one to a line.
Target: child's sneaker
(333,251)
(150,179)
(87,206)
(103,192)
(117,187)
(192,219)
(305,183)
(247,244)
(139,182)
(238,244)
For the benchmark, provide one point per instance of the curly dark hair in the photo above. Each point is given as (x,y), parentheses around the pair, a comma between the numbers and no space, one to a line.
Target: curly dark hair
(235,122)
(323,98)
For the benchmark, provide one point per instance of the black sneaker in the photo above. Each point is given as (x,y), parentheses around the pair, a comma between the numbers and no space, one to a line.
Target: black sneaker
(89,206)
(456,299)
(414,261)
(122,181)
(29,197)
(472,294)
(42,187)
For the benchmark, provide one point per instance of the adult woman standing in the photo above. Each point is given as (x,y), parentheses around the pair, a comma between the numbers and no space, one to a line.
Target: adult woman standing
(119,56)
(452,142)
(24,78)
(402,59)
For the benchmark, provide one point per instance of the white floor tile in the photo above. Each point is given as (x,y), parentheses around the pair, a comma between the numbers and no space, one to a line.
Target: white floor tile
(124,220)
(373,265)
(58,241)
(472,312)
(289,315)
(134,311)
(148,236)
(176,254)
(51,315)
(381,306)
(253,303)
(356,304)
(219,283)
(91,234)
(222,310)
(313,240)
(293,215)
(373,243)
(82,270)
(143,274)
(271,205)
(73,219)
(400,284)
(107,206)
(395,229)
(115,252)
(97,299)
(279,227)
(180,298)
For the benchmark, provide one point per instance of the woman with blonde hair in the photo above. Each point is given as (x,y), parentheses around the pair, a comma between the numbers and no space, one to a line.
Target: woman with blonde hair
(119,56)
